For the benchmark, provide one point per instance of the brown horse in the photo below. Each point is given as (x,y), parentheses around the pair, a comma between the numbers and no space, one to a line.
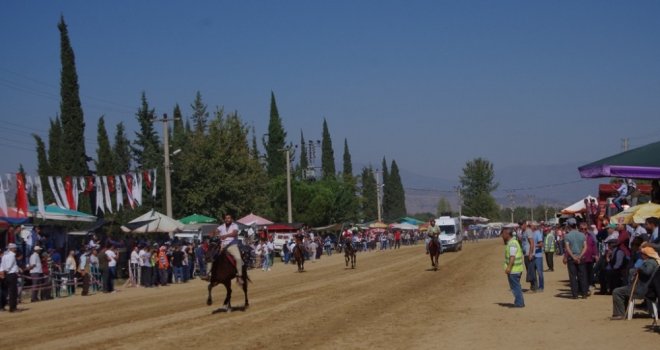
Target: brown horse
(349,253)
(434,252)
(299,257)
(223,271)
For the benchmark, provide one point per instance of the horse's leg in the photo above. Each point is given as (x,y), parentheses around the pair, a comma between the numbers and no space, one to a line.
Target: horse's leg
(245,288)
(227,302)
(346,257)
(209,300)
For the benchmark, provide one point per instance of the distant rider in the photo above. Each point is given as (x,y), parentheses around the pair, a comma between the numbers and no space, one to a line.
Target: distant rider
(432,234)
(228,233)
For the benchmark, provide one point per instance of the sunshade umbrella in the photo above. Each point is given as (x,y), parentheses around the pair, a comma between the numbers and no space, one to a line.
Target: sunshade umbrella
(197,219)
(378,225)
(54,212)
(637,214)
(577,207)
(152,222)
(252,219)
(639,163)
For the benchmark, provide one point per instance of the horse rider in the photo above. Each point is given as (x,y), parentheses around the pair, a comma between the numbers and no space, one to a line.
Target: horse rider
(432,232)
(228,234)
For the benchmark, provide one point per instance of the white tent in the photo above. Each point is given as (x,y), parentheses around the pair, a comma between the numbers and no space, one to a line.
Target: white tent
(153,222)
(404,226)
(578,206)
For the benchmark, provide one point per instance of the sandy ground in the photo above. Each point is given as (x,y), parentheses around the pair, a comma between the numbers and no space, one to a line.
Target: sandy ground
(391,301)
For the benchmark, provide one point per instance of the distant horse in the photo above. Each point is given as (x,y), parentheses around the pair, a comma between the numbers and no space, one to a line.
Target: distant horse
(349,253)
(299,256)
(223,271)
(434,252)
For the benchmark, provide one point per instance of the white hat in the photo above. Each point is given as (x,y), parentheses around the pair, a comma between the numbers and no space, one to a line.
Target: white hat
(36,247)
(11,246)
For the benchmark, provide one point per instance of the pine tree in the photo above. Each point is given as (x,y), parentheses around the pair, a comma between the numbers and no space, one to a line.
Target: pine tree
(200,116)
(55,147)
(122,151)
(276,142)
(254,150)
(397,205)
(348,164)
(369,193)
(146,146)
(477,184)
(105,163)
(327,153)
(74,160)
(304,161)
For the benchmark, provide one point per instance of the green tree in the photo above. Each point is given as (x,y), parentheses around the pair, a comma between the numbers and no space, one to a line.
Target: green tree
(121,150)
(327,153)
(396,194)
(105,163)
(55,147)
(200,115)
(146,146)
(254,149)
(179,135)
(276,160)
(348,164)
(477,184)
(443,207)
(304,161)
(42,160)
(369,194)
(74,160)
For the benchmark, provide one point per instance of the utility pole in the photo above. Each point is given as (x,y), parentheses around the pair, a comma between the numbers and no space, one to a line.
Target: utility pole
(531,205)
(166,165)
(288,185)
(625,143)
(378,188)
(512,202)
(460,210)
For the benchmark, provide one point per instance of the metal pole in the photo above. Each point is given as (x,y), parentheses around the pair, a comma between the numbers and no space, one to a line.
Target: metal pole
(380,219)
(168,184)
(288,185)
(460,210)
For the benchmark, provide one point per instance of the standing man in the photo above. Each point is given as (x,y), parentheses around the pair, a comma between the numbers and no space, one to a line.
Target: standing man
(36,273)
(397,239)
(538,257)
(527,242)
(513,265)
(112,268)
(9,268)
(576,246)
(229,236)
(549,248)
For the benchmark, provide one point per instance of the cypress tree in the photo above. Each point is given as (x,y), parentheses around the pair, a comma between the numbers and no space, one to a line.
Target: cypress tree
(397,205)
(327,153)
(55,148)
(304,161)
(200,115)
(179,136)
(369,193)
(105,163)
(348,164)
(276,137)
(254,150)
(146,146)
(42,159)
(74,159)
(122,151)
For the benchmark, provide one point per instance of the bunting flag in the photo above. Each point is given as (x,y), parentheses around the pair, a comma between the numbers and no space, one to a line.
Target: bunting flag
(137,189)
(74,191)
(90,184)
(29,186)
(128,183)
(111,183)
(147,178)
(106,193)
(62,192)
(118,191)
(21,194)
(40,196)
(68,187)
(99,195)
(153,189)
(3,199)
(53,189)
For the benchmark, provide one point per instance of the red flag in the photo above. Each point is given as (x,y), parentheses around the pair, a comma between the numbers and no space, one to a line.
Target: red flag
(90,184)
(129,190)
(68,187)
(21,194)
(147,178)
(111,183)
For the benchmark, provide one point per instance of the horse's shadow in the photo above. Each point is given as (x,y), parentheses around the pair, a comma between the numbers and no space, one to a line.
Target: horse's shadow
(433,269)
(233,308)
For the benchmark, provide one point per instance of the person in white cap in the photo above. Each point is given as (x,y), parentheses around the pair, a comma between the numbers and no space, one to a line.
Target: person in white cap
(9,269)
(36,272)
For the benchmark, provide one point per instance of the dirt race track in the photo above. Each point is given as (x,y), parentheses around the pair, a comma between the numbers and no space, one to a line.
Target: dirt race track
(391,301)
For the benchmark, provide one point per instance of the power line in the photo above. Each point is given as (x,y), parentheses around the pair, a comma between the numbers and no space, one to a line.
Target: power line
(505,190)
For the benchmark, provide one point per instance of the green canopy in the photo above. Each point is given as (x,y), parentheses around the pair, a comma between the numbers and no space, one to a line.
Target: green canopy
(197,219)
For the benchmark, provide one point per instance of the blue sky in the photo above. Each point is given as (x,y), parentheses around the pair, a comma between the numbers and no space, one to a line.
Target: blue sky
(431,84)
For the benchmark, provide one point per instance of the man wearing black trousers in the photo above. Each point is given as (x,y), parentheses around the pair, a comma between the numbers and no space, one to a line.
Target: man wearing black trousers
(9,269)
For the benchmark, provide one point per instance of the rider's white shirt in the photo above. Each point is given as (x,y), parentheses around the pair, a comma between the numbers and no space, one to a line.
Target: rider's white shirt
(223,230)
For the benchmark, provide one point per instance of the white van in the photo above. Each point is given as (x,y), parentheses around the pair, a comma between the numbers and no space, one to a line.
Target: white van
(450,236)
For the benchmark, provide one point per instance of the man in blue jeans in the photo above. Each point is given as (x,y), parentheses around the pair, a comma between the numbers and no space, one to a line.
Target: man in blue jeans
(538,256)
(513,265)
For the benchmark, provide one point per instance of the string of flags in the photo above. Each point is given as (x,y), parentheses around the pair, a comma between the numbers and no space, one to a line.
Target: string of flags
(16,189)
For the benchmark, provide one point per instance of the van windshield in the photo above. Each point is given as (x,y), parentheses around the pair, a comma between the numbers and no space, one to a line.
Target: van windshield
(447,229)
